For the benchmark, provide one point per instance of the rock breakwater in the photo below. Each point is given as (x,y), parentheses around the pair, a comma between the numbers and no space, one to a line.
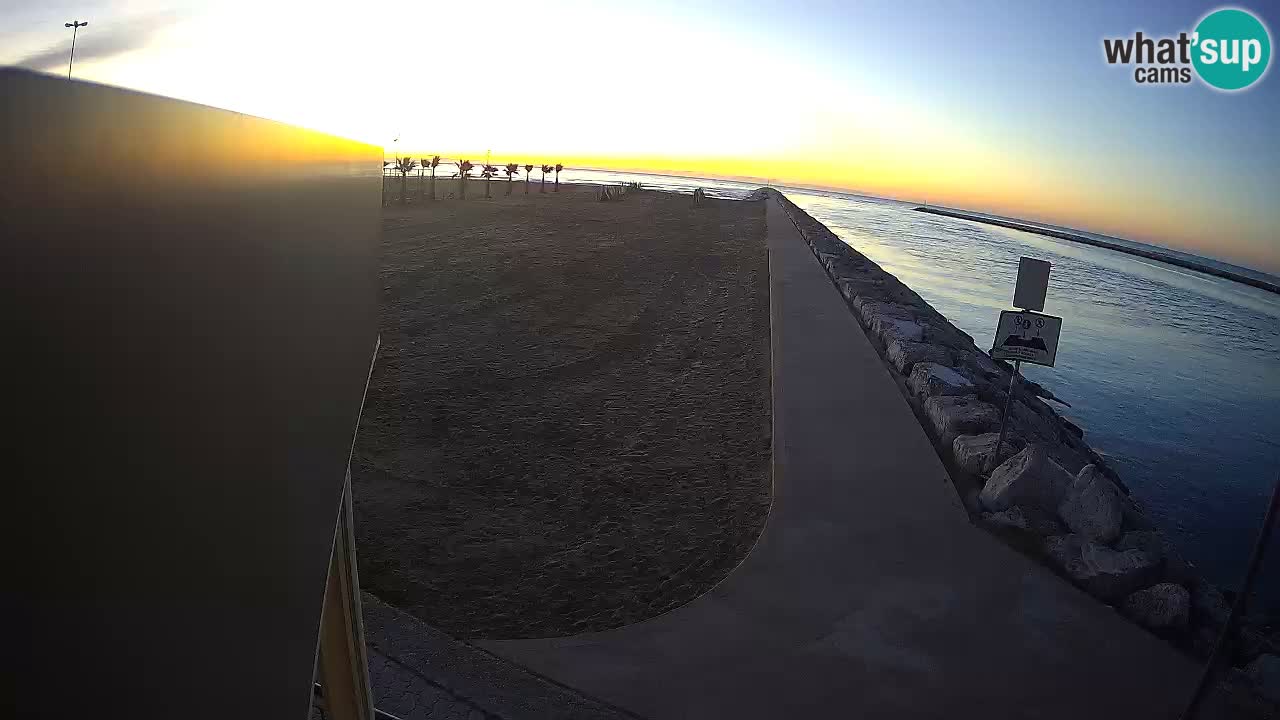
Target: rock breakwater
(1045,490)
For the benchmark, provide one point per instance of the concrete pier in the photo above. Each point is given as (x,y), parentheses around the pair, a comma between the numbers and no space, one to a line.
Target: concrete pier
(869,593)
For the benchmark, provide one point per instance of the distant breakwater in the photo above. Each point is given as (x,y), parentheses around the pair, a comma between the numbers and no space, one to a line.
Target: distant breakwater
(1073,237)
(1045,492)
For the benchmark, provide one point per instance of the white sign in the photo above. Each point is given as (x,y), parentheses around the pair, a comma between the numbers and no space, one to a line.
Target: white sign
(1027,336)
(1033,284)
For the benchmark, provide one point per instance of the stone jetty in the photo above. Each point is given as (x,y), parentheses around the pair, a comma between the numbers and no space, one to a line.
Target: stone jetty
(1046,492)
(870,592)
(1189,263)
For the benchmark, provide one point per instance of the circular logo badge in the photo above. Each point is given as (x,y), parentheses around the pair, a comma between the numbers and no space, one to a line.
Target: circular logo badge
(1232,49)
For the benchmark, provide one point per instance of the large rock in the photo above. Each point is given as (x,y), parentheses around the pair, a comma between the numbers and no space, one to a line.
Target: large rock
(855,286)
(903,354)
(1162,606)
(1038,390)
(1135,518)
(1070,459)
(1029,478)
(1208,605)
(869,309)
(1150,542)
(889,321)
(1071,427)
(817,244)
(950,416)
(862,303)
(972,453)
(1025,519)
(848,288)
(941,332)
(929,379)
(1099,570)
(1155,544)
(1091,506)
(891,329)
(829,260)
(1031,422)
(984,365)
(1264,671)
(840,269)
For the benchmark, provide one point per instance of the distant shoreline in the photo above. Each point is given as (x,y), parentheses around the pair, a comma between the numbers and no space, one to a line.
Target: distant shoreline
(1149,254)
(1154,254)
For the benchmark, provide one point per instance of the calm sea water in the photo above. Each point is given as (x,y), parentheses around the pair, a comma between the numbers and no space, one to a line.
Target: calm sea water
(1173,374)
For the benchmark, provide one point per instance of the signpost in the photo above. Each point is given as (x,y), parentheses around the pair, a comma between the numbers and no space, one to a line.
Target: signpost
(1025,335)
(1033,284)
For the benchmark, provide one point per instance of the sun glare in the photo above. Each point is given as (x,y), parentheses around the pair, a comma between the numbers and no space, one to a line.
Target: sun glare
(658,88)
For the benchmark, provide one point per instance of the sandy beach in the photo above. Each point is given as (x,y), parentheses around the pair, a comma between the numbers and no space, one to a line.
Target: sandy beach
(568,428)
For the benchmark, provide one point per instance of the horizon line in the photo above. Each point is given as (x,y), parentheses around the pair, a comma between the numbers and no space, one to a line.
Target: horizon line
(766,182)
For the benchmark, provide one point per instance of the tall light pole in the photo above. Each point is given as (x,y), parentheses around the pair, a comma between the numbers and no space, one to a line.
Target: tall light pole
(75,27)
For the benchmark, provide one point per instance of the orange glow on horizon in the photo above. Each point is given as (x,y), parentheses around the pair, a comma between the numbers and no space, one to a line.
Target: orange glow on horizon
(730,104)
(962,180)
(999,190)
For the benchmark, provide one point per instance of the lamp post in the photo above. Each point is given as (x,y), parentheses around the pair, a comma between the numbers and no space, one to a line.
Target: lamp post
(75,27)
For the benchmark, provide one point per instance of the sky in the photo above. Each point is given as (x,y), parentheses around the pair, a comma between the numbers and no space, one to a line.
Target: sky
(993,106)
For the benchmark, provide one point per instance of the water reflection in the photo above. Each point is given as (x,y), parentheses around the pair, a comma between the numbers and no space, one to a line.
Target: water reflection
(1174,374)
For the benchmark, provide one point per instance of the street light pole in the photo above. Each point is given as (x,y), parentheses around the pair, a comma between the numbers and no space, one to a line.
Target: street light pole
(75,27)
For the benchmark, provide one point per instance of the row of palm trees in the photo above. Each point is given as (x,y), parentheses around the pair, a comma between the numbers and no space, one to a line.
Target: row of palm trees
(406,166)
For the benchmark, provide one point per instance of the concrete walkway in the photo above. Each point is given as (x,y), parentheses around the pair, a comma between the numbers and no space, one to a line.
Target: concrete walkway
(869,593)
(417,672)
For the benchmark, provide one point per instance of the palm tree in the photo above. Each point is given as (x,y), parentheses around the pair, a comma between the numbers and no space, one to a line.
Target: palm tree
(512,170)
(545,169)
(527,169)
(423,164)
(435,162)
(559,167)
(404,166)
(464,167)
(487,173)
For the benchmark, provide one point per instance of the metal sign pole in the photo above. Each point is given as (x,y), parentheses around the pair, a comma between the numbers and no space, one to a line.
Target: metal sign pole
(1024,334)
(1004,419)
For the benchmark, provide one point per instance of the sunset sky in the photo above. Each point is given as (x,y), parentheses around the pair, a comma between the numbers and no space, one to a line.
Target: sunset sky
(995,106)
